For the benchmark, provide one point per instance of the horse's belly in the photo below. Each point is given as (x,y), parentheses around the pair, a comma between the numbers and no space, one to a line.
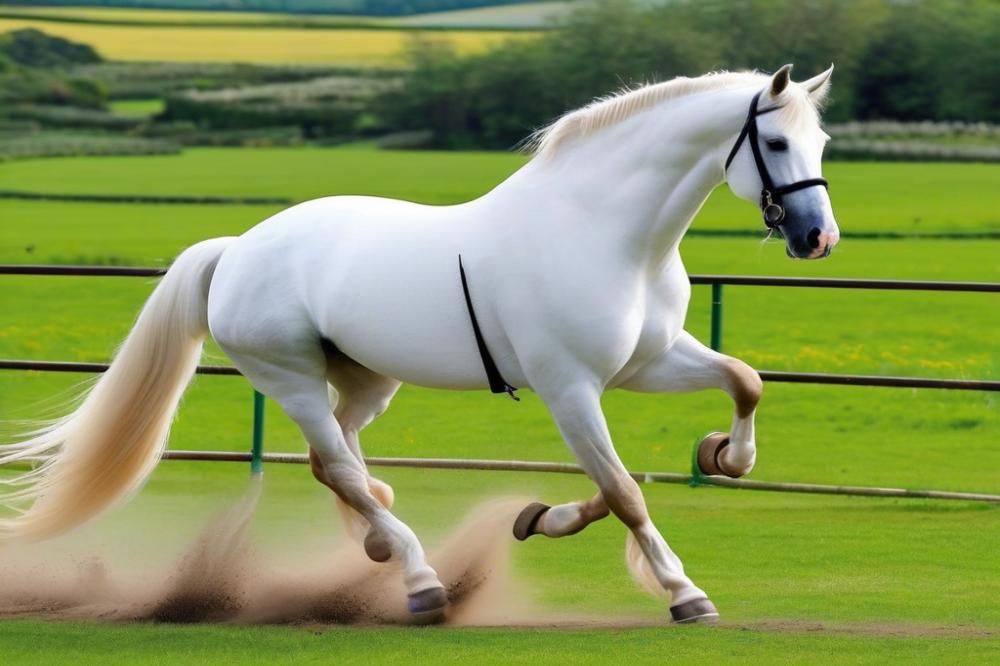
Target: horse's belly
(415,338)
(399,309)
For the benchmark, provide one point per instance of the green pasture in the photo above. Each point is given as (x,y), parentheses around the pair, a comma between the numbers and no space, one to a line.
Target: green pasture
(867,196)
(798,579)
(136,107)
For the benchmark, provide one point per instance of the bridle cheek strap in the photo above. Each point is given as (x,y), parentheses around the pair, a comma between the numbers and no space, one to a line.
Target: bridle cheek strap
(770,195)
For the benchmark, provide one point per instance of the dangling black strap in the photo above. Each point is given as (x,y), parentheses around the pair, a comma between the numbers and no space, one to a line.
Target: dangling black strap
(497,383)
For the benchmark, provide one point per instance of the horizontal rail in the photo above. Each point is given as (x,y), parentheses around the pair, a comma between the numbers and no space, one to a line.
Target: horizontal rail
(101,271)
(878,380)
(845,283)
(145,198)
(569,468)
(766,375)
(746,280)
(70,366)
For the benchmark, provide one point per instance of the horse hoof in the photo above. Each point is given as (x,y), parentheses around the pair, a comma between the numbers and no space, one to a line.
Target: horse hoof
(428,606)
(528,519)
(376,547)
(699,611)
(709,461)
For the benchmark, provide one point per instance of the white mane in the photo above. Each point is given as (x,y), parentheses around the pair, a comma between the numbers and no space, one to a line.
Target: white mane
(613,109)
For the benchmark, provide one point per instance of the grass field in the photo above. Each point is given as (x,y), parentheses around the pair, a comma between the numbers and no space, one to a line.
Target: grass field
(868,196)
(799,579)
(349,46)
(136,107)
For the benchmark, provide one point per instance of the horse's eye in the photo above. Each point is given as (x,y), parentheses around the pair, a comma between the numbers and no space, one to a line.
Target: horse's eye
(777,144)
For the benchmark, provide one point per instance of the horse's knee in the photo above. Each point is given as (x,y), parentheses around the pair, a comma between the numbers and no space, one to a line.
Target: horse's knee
(745,386)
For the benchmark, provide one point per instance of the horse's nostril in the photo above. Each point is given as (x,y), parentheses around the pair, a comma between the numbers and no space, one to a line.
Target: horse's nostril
(813,238)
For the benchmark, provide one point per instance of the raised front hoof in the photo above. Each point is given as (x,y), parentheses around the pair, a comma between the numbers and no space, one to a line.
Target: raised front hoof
(376,547)
(699,611)
(428,606)
(709,456)
(527,520)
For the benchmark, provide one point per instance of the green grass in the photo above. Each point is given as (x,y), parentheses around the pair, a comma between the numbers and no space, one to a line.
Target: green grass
(878,574)
(879,580)
(137,107)
(867,196)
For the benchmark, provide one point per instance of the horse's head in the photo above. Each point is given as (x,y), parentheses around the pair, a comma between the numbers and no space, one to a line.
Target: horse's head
(775,163)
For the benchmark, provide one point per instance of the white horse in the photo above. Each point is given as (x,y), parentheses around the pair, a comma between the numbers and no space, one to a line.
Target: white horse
(574,283)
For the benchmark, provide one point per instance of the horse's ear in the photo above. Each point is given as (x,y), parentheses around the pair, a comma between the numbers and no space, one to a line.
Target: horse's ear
(780,80)
(819,85)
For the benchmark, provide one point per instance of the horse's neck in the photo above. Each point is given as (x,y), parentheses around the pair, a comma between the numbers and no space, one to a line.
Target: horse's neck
(643,179)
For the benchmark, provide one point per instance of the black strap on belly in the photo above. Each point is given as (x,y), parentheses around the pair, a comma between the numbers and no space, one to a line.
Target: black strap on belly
(497,383)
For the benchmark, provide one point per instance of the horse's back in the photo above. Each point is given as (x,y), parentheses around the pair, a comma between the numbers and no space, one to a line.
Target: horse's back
(376,277)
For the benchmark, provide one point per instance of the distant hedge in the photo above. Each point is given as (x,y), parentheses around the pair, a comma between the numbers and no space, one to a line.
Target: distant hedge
(322,107)
(70,117)
(125,80)
(67,144)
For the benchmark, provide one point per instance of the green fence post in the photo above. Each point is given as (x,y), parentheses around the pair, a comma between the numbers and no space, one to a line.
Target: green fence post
(257,451)
(717,317)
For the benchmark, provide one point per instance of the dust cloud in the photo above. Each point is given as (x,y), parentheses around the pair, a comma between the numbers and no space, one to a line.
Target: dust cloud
(222,576)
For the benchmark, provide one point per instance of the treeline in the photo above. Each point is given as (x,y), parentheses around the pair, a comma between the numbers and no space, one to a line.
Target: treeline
(902,60)
(349,7)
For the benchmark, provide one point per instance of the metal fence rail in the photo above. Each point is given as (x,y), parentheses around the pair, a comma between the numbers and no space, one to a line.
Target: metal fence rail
(570,468)
(745,280)
(257,457)
(766,375)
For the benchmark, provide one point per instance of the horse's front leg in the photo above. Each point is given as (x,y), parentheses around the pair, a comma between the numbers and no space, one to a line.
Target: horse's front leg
(576,409)
(689,365)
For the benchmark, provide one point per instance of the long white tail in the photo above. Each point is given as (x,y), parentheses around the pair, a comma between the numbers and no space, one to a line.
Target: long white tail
(103,452)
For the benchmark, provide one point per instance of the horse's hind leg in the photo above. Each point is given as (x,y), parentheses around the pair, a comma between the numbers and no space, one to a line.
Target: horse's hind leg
(359,396)
(295,377)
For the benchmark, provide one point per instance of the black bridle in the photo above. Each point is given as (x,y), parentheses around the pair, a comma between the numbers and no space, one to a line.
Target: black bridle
(770,196)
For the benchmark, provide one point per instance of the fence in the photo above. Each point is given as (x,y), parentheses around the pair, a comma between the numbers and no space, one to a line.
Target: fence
(257,457)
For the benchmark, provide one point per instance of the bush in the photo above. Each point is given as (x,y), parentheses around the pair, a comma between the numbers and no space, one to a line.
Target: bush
(30,86)
(34,48)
